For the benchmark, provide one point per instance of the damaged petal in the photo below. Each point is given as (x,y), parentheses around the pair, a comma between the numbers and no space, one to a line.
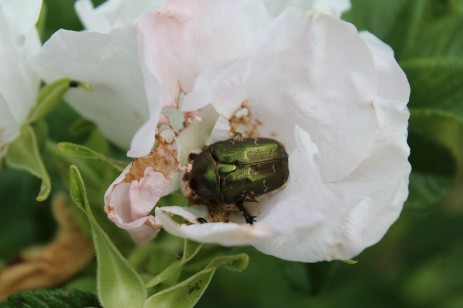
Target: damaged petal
(134,194)
(244,122)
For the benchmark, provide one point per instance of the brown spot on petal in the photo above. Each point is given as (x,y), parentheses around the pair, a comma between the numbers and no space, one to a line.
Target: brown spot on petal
(52,264)
(191,116)
(166,14)
(109,209)
(244,122)
(163,158)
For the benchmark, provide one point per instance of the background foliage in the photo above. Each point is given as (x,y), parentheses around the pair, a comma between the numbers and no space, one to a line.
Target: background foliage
(417,264)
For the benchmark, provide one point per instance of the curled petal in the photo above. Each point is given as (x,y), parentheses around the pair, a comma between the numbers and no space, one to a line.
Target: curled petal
(133,195)
(227,234)
(393,84)
(306,201)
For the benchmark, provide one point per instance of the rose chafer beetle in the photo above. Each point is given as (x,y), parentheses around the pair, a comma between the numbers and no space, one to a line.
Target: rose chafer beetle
(237,170)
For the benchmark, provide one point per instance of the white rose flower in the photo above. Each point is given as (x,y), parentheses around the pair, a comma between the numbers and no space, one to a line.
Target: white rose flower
(19,84)
(335,98)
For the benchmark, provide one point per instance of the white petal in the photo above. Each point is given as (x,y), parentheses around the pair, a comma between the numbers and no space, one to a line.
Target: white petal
(9,126)
(18,82)
(132,196)
(393,92)
(206,32)
(221,131)
(20,18)
(374,194)
(377,191)
(146,192)
(90,18)
(113,13)
(144,139)
(117,206)
(227,234)
(317,72)
(306,201)
(146,232)
(109,62)
(393,84)
(332,7)
(195,135)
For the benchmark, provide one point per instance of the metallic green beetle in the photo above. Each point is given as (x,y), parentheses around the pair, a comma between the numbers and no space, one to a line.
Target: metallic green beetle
(237,170)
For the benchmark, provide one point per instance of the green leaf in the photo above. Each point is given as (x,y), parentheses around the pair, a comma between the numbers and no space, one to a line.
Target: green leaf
(77,190)
(24,154)
(447,132)
(377,17)
(437,86)
(85,152)
(118,284)
(42,19)
(413,28)
(51,95)
(190,249)
(81,126)
(407,26)
(320,275)
(185,294)
(59,298)
(233,263)
(457,5)
(170,275)
(188,292)
(433,171)
(446,35)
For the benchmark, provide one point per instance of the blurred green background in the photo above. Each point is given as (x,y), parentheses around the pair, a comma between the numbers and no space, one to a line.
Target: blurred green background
(419,263)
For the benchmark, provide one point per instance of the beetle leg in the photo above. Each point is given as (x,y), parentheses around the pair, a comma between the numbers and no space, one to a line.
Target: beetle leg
(192,156)
(237,136)
(201,220)
(248,217)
